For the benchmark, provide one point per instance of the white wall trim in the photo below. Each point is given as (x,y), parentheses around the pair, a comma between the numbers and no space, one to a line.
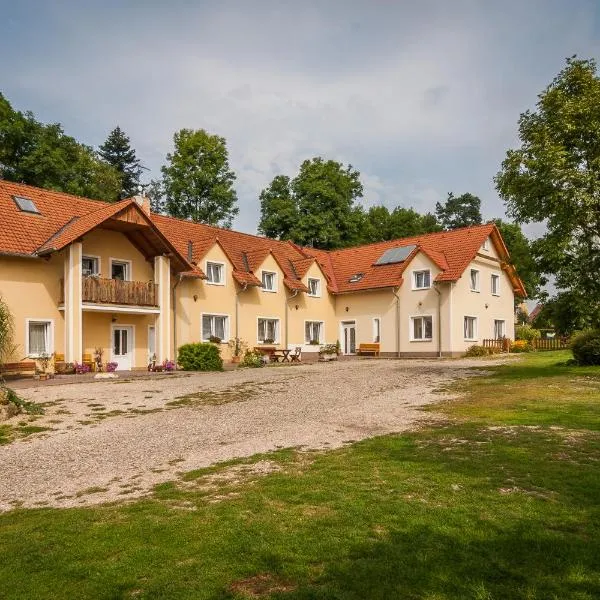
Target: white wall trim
(317,295)
(215,262)
(322,339)
(114,326)
(278,319)
(129,264)
(499,275)
(227,325)
(413,279)
(411,331)
(476,338)
(275,281)
(374,330)
(50,335)
(98,259)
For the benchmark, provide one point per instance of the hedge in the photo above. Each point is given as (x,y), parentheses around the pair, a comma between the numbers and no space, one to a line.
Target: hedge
(200,357)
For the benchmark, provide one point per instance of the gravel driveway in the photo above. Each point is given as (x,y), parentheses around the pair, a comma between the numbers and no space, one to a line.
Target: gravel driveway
(115,440)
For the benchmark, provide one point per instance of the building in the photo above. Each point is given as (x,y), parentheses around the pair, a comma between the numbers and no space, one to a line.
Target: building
(80,274)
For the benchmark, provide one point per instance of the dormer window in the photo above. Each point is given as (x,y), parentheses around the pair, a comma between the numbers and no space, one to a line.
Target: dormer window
(356,278)
(214,273)
(269,281)
(314,287)
(422,279)
(26,205)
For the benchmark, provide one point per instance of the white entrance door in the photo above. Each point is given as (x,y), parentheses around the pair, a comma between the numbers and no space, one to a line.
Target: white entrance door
(348,337)
(122,346)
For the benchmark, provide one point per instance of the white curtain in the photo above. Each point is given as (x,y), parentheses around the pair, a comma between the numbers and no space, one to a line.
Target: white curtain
(38,338)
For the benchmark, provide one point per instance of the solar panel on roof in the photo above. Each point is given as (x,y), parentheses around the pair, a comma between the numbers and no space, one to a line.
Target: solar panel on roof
(395,255)
(25,204)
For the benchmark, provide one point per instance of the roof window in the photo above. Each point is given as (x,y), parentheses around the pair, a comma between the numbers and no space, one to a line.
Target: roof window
(26,205)
(395,255)
(356,278)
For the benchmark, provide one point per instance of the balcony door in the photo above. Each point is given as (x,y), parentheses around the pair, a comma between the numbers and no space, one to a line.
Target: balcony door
(122,346)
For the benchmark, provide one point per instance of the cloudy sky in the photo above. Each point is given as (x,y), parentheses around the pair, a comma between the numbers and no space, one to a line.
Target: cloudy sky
(422,97)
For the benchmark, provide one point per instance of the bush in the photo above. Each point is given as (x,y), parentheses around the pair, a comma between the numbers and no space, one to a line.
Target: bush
(476,350)
(527,333)
(252,360)
(200,357)
(586,347)
(520,346)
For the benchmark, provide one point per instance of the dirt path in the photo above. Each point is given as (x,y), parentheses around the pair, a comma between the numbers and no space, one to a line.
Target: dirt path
(116,440)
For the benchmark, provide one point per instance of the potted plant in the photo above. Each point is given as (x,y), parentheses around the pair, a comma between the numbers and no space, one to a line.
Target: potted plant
(213,339)
(168,366)
(268,341)
(328,352)
(44,359)
(111,367)
(314,343)
(237,347)
(98,353)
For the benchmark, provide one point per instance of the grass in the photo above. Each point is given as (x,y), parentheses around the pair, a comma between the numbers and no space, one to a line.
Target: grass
(500,501)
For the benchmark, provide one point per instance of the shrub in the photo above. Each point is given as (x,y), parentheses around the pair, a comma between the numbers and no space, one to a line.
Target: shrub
(168,365)
(527,333)
(111,367)
(81,368)
(476,350)
(252,360)
(329,349)
(586,347)
(520,346)
(200,357)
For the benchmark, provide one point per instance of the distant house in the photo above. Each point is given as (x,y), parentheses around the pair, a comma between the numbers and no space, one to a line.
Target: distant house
(81,274)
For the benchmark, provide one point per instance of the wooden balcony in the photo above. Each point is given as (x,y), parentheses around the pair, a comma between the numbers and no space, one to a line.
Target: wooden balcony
(96,290)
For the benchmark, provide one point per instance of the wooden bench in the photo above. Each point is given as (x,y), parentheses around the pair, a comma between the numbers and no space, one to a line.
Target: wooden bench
(18,368)
(368,349)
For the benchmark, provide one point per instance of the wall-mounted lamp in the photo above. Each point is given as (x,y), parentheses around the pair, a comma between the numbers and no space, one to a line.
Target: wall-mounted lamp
(420,304)
(114,319)
(296,307)
(347,309)
(487,305)
(195,297)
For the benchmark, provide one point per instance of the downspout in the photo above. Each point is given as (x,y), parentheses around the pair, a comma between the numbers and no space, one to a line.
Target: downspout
(439,319)
(175,319)
(237,311)
(395,291)
(287,317)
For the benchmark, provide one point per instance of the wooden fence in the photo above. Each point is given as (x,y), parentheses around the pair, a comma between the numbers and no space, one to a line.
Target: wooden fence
(502,345)
(115,291)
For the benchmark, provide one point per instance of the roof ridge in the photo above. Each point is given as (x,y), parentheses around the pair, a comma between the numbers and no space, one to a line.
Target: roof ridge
(49,191)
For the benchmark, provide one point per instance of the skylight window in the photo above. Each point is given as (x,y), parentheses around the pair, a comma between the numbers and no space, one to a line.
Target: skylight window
(395,255)
(356,278)
(26,205)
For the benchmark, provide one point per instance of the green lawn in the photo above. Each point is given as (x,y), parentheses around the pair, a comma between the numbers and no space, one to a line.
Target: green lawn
(500,501)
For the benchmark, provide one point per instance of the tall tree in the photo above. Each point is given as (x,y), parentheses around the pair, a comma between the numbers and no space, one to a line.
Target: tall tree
(317,208)
(43,155)
(382,225)
(521,255)
(554,178)
(197,182)
(459,211)
(278,209)
(117,152)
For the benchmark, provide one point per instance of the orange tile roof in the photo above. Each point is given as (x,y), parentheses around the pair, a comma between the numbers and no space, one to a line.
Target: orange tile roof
(65,218)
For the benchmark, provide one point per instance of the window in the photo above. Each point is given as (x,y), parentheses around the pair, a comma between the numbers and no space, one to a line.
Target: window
(120,269)
(151,342)
(486,244)
(356,277)
(39,338)
(269,281)
(26,205)
(215,326)
(313,332)
(89,266)
(499,329)
(495,285)
(470,328)
(474,280)
(314,287)
(421,328)
(421,279)
(214,272)
(376,330)
(268,329)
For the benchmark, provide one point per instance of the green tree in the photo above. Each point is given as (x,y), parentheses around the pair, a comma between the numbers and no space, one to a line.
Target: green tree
(521,255)
(568,312)
(382,225)
(278,209)
(117,152)
(459,211)
(7,330)
(43,155)
(196,181)
(554,178)
(317,208)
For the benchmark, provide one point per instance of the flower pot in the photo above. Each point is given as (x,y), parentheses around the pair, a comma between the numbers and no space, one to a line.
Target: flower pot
(235,359)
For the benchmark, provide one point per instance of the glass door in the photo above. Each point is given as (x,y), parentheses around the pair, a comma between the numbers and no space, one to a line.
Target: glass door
(122,347)
(349,337)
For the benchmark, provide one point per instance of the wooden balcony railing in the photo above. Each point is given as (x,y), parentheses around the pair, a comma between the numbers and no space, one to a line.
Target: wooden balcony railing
(115,291)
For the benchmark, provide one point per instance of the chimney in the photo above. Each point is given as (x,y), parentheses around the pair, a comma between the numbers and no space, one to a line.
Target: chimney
(143,202)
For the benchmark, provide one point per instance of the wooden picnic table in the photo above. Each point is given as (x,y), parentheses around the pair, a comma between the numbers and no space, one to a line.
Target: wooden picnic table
(274,353)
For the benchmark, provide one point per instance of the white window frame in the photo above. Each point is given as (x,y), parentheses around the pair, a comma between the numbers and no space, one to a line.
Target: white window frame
(49,334)
(317,294)
(503,321)
(414,279)
(91,257)
(377,330)
(475,328)
(226,326)
(477,280)
(486,244)
(128,270)
(321,331)
(497,292)
(277,328)
(223,271)
(275,287)
(411,328)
